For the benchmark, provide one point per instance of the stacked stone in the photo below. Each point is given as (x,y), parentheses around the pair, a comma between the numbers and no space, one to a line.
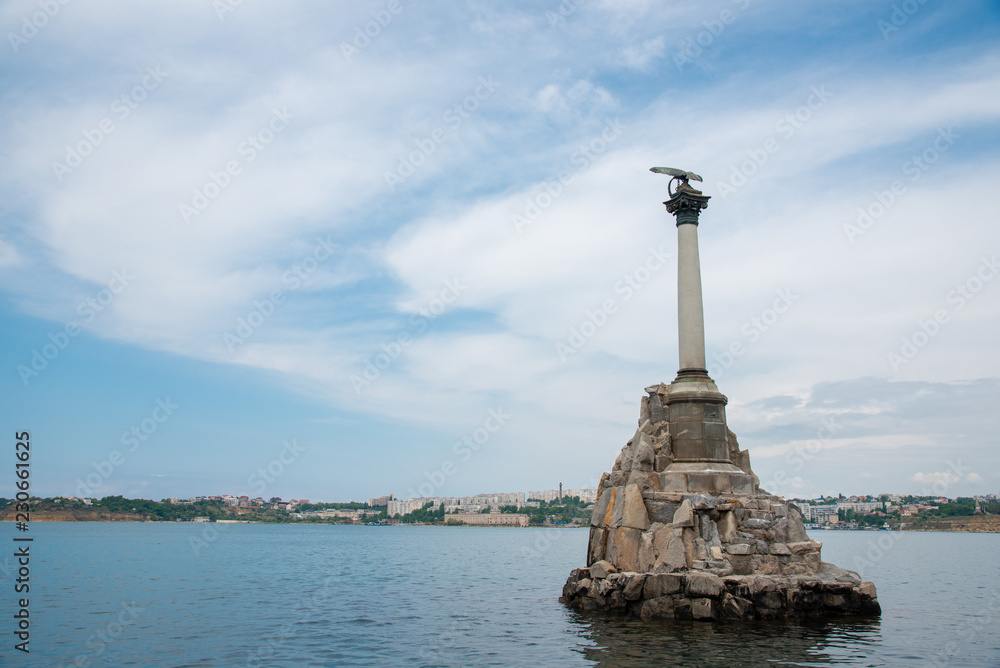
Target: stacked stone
(704,596)
(720,549)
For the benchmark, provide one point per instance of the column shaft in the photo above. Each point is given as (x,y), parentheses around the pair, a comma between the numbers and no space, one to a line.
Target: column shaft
(690,314)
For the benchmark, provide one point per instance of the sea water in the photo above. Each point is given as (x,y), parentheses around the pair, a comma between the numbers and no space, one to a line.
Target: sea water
(184,594)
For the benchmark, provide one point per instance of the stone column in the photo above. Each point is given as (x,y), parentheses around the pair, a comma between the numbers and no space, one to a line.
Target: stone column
(694,407)
(690,314)
(686,205)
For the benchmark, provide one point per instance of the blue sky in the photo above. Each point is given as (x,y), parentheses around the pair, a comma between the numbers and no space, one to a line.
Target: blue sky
(350,245)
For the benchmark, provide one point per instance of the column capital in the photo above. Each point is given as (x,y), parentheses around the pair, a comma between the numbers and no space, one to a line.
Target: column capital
(686,204)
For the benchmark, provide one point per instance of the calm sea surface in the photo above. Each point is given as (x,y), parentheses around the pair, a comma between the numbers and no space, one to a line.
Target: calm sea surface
(284,595)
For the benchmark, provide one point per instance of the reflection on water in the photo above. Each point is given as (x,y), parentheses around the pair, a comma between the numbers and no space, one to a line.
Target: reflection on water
(633,643)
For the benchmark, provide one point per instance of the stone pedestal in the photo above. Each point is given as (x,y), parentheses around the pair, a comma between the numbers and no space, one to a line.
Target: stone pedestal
(686,536)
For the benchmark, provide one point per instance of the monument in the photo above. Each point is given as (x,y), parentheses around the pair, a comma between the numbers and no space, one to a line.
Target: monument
(681,528)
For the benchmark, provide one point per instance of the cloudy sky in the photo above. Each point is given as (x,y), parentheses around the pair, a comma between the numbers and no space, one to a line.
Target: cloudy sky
(338,250)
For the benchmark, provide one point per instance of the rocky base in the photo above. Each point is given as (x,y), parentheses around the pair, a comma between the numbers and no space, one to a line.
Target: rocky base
(674,536)
(701,595)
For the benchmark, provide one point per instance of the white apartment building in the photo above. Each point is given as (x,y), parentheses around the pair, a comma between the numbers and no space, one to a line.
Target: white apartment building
(860,506)
(467,504)
(586,495)
(823,514)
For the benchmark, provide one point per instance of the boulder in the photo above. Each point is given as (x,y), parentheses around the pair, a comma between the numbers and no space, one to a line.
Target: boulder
(634,510)
(661,538)
(656,412)
(780,529)
(640,479)
(604,483)
(643,455)
(623,548)
(611,505)
(727,526)
(703,584)
(703,608)
(618,509)
(662,584)
(634,583)
(643,410)
(597,545)
(709,530)
(689,551)
(597,515)
(740,548)
(661,511)
(701,549)
(647,555)
(701,501)
(601,569)
(805,547)
(674,558)
(779,549)
(625,461)
(684,517)
(657,608)
(796,531)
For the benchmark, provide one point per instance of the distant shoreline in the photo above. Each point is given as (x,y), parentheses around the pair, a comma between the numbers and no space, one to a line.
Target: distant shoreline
(975,524)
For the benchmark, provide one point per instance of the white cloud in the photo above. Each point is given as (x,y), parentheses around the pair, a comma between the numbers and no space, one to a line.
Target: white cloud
(944,477)
(642,56)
